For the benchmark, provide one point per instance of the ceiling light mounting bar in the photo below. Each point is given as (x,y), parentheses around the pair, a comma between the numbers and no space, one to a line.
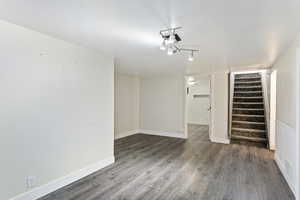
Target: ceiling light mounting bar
(169,30)
(190,50)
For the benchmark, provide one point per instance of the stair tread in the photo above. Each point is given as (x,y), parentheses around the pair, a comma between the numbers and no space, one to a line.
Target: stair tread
(247,77)
(247,122)
(256,97)
(252,81)
(248,109)
(242,81)
(247,87)
(248,103)
(257,139)
(247,115)
(246,80)
(247,92)
(247,73)
(248,130)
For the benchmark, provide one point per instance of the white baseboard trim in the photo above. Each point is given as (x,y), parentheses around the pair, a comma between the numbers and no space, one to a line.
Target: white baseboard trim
(54,185)
(219,140)
(280,165)
(197,123)
(125,134)
(163,133)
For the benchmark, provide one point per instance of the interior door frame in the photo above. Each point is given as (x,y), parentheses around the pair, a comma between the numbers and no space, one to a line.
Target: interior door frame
(263,73)
(273,102)
(186,86)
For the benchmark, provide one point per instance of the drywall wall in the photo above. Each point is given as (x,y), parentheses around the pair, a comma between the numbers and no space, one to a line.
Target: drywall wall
(219,108)
(198,112)
(162,105)
(286,153)
(56,105)
(127,89)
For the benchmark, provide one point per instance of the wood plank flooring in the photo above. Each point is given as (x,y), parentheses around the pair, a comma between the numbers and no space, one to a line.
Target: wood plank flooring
(154,167)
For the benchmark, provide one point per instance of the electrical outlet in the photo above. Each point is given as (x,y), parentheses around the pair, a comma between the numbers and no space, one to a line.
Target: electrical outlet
(30,182)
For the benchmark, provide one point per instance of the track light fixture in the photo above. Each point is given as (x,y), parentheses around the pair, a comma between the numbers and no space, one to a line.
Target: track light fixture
(170,39)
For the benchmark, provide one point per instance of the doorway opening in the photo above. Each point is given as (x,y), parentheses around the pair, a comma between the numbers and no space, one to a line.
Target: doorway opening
(252,108)
(198,104)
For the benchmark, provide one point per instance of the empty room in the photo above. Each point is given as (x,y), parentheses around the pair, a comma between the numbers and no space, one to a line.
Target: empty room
(149,100)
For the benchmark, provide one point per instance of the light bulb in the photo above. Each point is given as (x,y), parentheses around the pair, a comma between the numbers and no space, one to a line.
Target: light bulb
(191,57)
(191,79)
(163,45)
(192,83)
(170,51)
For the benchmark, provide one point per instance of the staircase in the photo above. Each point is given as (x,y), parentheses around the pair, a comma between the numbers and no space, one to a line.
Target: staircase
(248,115)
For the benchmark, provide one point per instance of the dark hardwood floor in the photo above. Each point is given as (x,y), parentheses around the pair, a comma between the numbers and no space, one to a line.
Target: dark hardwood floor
(155,167)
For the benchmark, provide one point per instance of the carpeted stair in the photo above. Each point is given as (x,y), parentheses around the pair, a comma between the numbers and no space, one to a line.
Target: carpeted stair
(248,120)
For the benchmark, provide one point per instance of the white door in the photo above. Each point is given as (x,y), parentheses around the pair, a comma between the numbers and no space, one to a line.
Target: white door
(199,102)
(198,111)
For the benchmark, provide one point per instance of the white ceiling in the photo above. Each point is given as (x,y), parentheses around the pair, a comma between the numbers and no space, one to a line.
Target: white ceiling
(230,34)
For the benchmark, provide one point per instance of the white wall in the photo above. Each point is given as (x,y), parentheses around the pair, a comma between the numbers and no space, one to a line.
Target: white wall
(286,136)
(56,105)
(198,107)
(219,107)
(126,105)
(162,105)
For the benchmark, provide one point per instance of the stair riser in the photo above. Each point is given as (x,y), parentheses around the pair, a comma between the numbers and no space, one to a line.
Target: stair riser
(248,134)
(236,80)
(250,100)
(249,84)
(245,125)
(256,106)
(252,94)
(248,118)
(249,112)
(245,89)
(251,75)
